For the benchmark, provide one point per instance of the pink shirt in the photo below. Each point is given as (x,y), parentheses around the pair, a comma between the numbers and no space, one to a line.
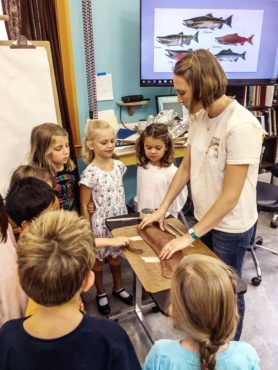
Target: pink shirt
(13,300)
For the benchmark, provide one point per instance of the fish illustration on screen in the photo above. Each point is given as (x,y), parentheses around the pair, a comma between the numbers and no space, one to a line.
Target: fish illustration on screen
(207,21)
(176,54)
(229,56)
(234,39)
(178,39)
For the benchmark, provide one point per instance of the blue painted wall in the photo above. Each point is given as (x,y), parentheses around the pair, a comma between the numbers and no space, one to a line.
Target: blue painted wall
(117,51)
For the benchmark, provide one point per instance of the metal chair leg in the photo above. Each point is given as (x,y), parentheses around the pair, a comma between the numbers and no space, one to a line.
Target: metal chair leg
(274,221)
(257,279)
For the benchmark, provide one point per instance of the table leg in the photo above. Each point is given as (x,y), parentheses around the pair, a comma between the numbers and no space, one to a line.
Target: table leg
(137,308)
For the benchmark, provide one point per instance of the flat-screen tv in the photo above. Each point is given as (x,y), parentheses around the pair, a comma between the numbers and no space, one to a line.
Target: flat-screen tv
(242,34)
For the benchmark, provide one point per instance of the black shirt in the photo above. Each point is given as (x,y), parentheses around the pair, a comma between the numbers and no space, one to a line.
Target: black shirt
(96,344)
(67,189)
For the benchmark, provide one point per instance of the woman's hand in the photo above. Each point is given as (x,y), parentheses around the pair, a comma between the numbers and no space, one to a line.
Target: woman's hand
(157,216)
(174,246)
(119,241)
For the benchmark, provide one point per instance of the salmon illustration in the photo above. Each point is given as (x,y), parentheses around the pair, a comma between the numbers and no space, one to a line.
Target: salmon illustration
(234,39)
(207,21)
(178,39)
(177,54)
(229,56)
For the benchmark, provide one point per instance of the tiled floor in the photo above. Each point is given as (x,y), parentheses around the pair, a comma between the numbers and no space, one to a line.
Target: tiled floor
(261,318)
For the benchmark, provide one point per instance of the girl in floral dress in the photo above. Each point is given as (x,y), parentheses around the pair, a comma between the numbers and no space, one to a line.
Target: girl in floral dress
(102,181)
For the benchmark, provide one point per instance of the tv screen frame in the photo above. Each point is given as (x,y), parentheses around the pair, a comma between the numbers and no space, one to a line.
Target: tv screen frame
(213,21)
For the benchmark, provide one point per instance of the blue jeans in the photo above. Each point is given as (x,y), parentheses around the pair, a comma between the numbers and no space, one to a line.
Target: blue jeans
(231,249)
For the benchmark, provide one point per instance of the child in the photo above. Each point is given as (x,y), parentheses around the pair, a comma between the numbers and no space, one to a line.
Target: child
(50,150)
(55,255)
(204,308)
(102,181)
(13,300)
(154,151)
(32,171)
(28,198)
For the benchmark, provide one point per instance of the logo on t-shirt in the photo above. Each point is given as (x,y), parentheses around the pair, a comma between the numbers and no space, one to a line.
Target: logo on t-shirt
(213,148)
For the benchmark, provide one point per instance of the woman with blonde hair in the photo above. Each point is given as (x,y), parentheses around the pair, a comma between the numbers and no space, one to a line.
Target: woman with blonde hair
(204,308)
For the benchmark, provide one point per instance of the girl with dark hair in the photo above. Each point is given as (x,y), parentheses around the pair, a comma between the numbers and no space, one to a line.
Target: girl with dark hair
(155,154)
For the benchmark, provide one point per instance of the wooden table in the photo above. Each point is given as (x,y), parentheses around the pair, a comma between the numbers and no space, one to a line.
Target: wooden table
(149,275)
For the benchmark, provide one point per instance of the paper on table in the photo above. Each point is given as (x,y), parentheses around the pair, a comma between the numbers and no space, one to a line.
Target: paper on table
(104,87)
(150,259)
(135,238)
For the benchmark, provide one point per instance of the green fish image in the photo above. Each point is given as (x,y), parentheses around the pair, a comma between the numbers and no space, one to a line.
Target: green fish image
(178,39)
(229,56)
(207,21)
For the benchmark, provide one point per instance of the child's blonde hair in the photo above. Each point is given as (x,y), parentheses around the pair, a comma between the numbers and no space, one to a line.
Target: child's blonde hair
(32,171)
(204,304)
(156,131)
(55,254)
(42,142)
(92,130)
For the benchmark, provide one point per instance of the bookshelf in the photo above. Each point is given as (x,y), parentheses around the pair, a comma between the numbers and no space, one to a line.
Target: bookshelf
(262,101)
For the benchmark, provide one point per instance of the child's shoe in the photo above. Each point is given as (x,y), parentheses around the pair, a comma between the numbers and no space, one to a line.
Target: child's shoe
(123,295)
(103,304)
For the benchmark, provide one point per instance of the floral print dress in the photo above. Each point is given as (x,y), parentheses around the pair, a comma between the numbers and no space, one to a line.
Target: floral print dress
(109,199)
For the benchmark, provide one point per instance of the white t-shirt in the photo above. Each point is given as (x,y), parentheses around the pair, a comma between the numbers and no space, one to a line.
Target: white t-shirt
(233,137)
(152,185)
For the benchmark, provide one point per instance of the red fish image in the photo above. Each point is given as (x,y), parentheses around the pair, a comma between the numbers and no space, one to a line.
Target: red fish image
(234,39)
(176,54)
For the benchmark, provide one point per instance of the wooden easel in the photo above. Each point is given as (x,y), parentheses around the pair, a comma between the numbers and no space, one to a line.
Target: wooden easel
(4,17)
(28,98)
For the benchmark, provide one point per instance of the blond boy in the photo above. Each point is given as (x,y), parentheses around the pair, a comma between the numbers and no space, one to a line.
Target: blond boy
(55,256)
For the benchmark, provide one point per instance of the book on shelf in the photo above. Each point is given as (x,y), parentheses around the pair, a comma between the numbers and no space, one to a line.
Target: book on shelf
(269,95)
(275,95)
(260,95)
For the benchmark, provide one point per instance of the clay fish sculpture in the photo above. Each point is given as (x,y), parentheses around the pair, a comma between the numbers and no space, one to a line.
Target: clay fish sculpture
(229,56)
(234,39)
(207,21)
(177,54)
(178,39)
(156,239)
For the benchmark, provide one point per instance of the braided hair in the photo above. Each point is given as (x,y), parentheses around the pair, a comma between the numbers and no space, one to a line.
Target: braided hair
(204,304)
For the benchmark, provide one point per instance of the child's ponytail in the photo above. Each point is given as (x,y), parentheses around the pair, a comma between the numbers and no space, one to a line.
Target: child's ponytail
(86,153)
(204,304)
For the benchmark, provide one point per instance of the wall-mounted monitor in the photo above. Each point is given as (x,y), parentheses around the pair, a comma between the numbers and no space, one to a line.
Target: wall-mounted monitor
(242,34)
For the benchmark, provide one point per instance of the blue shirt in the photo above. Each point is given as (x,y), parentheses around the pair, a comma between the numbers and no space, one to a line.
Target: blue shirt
(170,355)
